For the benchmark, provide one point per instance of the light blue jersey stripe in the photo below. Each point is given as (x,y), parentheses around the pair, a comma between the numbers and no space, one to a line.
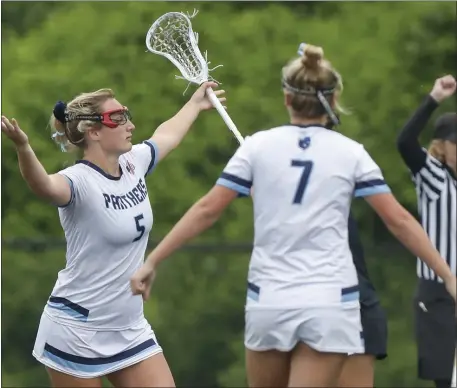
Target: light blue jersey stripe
(68,310)
(253,295)
(367,191)
(350,297)
(233,186)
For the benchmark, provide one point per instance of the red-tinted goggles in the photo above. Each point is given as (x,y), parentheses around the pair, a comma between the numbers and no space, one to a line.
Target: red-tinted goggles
(111,118)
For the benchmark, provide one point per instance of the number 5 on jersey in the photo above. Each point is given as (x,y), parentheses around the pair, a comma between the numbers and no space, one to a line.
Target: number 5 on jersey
(307,167)
(140,228)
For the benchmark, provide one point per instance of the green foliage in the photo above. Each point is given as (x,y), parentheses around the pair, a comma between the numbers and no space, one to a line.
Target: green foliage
(53,52)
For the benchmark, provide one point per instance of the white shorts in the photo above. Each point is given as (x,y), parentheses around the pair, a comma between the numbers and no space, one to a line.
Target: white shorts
(333,329)
(89,353)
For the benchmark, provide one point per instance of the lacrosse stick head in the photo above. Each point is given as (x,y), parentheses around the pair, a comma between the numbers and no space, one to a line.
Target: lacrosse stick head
(172,37)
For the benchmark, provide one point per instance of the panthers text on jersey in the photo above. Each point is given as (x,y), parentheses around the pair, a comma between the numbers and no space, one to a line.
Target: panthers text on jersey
(106,224)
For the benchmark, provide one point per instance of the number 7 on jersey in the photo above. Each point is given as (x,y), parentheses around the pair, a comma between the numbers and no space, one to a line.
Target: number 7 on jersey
(307,167)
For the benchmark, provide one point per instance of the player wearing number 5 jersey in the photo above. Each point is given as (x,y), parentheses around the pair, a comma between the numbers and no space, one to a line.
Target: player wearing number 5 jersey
(302,307)
(92,325)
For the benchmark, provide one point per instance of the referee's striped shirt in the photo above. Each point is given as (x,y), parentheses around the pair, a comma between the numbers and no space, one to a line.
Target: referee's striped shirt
(437,206)
(436,191)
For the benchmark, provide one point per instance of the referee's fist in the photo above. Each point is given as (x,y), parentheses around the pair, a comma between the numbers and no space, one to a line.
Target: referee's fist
(444,87)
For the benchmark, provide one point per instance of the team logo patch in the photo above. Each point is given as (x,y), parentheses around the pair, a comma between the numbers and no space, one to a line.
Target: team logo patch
(304,143)
(130,168)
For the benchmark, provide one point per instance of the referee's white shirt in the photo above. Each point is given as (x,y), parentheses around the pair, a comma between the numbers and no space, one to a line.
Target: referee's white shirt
(437,207)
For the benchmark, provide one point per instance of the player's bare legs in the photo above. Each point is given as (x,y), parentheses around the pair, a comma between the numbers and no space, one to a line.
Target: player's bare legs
(267,369)
(62,380)
(310,368)
(358,372)
(152,372)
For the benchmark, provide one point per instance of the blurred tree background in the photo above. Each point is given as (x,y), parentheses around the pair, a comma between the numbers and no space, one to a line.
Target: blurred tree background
(389,55)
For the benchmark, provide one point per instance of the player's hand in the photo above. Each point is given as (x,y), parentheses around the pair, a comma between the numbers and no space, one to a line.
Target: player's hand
(444,87)
(200,98)
(141,281)
(14,132)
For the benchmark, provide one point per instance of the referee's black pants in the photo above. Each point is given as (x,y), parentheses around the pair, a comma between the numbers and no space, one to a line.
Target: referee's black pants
(436,331)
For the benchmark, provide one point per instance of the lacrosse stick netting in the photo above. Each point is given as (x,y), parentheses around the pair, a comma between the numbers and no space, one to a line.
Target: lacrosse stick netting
(172,37)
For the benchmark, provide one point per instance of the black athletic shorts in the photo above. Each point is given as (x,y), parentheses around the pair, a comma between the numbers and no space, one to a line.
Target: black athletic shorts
(436,328)
(374,325)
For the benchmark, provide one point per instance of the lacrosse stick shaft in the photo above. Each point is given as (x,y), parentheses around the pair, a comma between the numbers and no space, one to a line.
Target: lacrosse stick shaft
(230,124)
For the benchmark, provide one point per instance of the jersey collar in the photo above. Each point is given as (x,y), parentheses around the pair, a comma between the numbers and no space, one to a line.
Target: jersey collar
(307,125)
(99,170)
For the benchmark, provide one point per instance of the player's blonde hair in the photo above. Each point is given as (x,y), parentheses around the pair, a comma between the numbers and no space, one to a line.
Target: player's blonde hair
(436,149)
(312,72)
(70,134)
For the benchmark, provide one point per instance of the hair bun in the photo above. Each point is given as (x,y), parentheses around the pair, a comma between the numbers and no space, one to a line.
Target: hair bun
(312,56)
(59,111)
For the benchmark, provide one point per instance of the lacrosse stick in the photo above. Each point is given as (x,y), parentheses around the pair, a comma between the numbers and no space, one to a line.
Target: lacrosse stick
(172,37)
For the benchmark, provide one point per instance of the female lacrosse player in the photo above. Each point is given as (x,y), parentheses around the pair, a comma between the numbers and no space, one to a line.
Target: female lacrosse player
(92,325)
(434,174)
(302,309)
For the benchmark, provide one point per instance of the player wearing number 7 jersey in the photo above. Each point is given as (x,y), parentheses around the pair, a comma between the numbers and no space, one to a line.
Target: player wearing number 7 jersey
(92,325)
(302,307)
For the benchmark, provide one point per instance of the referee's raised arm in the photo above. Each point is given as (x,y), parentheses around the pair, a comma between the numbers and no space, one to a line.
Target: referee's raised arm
(427,168)
(434,172)
(408,141)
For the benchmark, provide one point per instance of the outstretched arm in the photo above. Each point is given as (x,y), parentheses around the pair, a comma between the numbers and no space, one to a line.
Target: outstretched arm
(198,218)
(54,188)
(410,233)
(236,179)
(370,185)
(170,133)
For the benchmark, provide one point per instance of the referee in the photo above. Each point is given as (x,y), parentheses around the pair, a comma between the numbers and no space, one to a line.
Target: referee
(434,174)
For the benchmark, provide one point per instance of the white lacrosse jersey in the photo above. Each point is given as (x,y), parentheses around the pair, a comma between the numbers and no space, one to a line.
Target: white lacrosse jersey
(303,180)
(106,224)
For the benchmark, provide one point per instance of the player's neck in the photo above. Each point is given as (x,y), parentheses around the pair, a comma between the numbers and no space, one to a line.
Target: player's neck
(303,121)
(109,164)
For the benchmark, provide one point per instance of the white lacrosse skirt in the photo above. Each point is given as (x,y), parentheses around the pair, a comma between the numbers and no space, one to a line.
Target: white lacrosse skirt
(89,353)
(332,329)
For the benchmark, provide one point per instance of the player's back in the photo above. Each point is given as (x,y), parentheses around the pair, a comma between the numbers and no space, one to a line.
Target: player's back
(304,180)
